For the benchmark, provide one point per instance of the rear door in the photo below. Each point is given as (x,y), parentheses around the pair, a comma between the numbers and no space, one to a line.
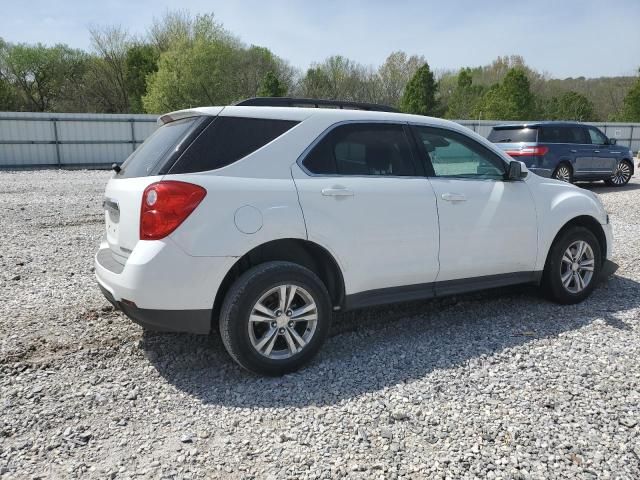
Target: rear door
(366,200)
(605,159)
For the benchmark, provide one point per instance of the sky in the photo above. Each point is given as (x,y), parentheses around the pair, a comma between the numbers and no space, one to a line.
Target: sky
(565,38)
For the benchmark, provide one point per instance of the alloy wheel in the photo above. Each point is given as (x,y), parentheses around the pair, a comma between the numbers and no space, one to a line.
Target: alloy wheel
(283,321)
(622,174)
(563,173)
(577,267)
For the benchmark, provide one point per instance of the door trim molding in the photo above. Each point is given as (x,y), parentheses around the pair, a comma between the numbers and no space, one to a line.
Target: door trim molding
(424,291)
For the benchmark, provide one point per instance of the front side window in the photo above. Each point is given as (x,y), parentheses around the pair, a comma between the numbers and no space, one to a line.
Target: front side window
(453,154)
(597,138)
(362,149)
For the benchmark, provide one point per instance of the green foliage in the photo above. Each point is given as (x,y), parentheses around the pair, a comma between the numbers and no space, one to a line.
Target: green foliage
(465,98)
(271,86)
(510,100)
(569,106)
(420,93)
(140,61)
(631,106)
(43,77)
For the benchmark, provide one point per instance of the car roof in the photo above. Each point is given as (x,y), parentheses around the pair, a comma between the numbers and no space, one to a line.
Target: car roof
(302,113)
(537,124)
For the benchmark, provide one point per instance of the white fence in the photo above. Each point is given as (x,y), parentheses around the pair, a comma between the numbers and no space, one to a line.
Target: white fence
(82,140)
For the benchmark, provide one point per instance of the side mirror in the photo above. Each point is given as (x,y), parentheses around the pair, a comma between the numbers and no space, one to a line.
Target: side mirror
(612,141)
(514,171)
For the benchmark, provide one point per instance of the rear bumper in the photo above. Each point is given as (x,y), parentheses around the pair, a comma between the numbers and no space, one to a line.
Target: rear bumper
(161,287)
(187,321)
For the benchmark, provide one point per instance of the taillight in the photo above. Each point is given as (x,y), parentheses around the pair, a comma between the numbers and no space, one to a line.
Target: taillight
(165,205)
(528,152)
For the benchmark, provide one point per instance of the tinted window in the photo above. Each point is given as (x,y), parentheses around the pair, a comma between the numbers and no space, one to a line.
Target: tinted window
(455,155)
(362,149)
(227,140)
(143,161)
(597,138)
(562,134)
(513,135)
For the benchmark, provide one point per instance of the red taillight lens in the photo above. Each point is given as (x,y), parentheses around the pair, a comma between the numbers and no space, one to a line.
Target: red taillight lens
(165,205)
(528,152)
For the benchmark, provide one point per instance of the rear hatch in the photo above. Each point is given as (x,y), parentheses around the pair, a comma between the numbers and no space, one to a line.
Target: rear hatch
(519,141)
(148,164)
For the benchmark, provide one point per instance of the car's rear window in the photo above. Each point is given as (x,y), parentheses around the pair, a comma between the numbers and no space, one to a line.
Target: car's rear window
(147,156)
(513,134)
(227,140)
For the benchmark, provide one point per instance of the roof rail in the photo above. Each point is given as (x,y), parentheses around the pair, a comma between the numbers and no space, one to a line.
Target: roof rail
(312,102)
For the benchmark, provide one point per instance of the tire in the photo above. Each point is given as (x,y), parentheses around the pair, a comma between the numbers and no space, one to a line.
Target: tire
(269,343)
(558,268)
(563,172)
(622,175)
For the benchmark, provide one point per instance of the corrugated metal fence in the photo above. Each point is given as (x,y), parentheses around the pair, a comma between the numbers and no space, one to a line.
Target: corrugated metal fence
(74,140)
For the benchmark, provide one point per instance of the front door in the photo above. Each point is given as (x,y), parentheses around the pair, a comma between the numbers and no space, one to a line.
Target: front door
(605,159)
(488,226)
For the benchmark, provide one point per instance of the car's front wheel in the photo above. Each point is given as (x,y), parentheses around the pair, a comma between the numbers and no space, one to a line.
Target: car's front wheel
(573,266)
(622,175)
(275,318)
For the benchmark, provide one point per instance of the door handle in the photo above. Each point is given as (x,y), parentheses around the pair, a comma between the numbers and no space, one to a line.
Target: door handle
(454,197)
(596,151)
(573,151)
(337,191)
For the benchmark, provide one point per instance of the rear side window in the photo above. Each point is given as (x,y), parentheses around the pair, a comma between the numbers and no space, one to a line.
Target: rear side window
(562,134)
(362,149)
(513,135)
(156,148)
(227,140)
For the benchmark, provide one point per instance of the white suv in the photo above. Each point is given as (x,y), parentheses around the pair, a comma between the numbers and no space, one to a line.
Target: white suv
(263,220)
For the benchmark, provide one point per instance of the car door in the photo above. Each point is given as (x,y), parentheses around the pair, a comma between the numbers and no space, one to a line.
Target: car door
(605,158)
(488,226)
(364,199)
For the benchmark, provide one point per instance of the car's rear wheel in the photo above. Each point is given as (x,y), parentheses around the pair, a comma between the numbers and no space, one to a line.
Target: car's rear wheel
(564,173)
(573,266)
(275,318)
(622,175)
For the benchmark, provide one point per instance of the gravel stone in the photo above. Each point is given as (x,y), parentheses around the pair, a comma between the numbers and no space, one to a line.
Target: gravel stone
(499,384)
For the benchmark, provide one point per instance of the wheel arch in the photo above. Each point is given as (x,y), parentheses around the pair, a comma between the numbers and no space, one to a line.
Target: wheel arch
(588,222)
(302,252)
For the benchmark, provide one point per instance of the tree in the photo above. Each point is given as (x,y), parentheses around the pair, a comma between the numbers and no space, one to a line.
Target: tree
(106,78)
(420,93)
(510,100)
(631,104)
(271,86)
(394,74)
(570,106)
(44,76)
(464,100)
(140,61)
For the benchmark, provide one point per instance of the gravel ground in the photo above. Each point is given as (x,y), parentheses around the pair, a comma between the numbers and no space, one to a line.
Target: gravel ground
(495,385)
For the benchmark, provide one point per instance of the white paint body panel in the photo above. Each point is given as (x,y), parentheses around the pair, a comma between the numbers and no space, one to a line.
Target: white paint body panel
(391,232)
(383,235)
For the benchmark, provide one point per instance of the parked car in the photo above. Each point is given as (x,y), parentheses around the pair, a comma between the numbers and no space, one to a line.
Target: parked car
(566,151)
(262,221)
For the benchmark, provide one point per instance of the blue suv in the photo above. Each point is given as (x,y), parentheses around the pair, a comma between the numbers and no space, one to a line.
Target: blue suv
(567,151)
